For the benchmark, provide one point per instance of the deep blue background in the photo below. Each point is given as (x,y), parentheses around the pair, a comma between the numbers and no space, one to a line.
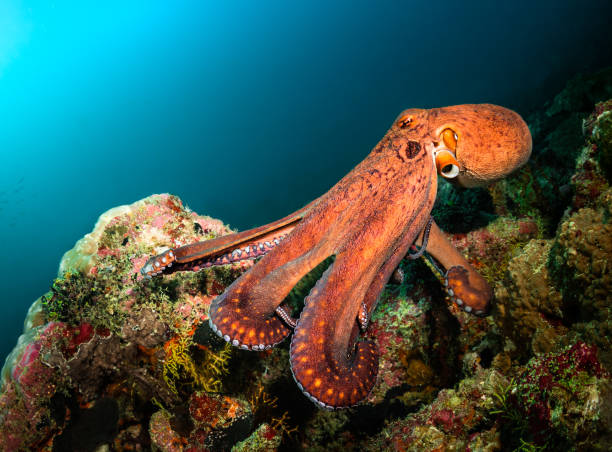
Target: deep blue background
(246,111)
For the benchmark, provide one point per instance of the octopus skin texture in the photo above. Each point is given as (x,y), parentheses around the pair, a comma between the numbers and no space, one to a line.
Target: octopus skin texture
(368,221)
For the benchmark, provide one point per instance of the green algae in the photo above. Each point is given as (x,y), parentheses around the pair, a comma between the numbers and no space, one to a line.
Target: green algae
(263,439)
(114,236)
(75,298)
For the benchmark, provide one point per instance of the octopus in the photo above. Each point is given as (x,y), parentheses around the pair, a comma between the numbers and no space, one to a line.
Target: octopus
(368,222)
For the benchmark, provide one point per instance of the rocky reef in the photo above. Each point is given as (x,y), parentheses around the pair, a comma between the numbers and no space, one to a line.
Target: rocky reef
(111,361)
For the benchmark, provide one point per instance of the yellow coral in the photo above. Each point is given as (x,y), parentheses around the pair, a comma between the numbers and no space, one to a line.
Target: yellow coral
(205,375)
(262,404)
(261,399)
(281,425)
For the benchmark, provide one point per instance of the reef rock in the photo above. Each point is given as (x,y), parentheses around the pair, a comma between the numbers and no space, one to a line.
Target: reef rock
(458,419)
(102,350)
(529,307)
(213,422)
(557,129)
(559,401)
(558,289)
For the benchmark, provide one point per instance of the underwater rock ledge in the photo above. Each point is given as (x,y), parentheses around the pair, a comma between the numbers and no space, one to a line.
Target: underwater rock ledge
(103,348)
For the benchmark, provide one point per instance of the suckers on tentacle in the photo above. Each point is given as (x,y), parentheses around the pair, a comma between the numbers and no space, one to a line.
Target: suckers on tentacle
(158,264)
(329,380)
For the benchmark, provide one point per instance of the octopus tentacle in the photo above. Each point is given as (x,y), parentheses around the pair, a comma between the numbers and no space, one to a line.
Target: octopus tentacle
(155,265)
(424,241)
(286,317)
(226,249)
(466,287)
(246,313)
(331,373)
(472,296)
(364,317)
(252,250)
(231,241)
(421,222)
(329,365)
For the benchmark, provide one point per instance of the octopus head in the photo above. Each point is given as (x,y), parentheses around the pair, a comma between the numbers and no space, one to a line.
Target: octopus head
(474,145)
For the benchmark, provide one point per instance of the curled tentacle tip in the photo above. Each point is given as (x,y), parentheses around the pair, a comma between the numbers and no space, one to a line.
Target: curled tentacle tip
(468,290)
(147,269)
(469,309)
(157,264)
(150,269)
(236,341)
(212,325)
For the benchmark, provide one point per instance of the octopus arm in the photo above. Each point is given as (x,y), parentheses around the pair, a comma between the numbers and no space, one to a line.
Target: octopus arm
(328,372)
(464,284)
(225,249)
(246,313)
(330,366)
(230,242)
(384,274)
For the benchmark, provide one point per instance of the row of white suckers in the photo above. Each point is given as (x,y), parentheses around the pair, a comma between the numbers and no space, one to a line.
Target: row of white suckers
(261,347)
(458,301)
(248,252)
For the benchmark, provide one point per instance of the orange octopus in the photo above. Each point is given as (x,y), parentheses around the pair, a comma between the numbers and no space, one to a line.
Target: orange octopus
(368,221)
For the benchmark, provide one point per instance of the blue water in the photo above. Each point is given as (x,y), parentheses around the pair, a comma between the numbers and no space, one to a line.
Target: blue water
(246,111)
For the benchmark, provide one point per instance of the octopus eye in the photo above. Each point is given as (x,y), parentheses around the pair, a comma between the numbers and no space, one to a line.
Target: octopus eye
(446,164)
(450,139)
(405,121)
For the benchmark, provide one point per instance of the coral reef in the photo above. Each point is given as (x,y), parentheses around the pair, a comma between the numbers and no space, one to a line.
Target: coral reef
(561,400)
(600,130)
(212,422)
(530,308)
(458,419)
(100,334)
(560,287)
(109,361)
(543,185)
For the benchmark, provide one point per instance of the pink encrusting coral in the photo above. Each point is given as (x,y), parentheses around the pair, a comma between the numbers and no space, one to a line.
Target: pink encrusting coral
(85,336)
(34,380)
